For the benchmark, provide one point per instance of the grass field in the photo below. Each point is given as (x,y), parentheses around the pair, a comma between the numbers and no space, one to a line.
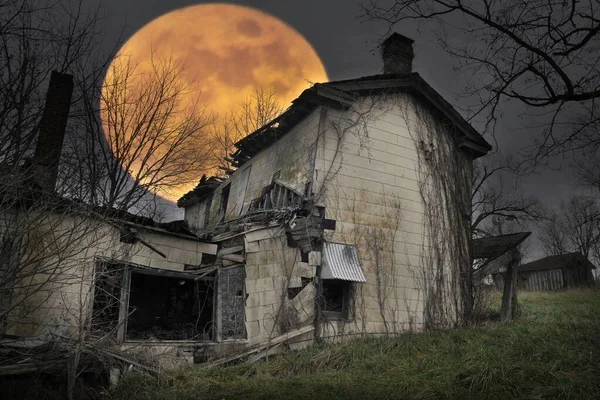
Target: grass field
(551,352)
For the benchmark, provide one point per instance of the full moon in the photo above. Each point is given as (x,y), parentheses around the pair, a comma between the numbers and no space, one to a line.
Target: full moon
(228,51)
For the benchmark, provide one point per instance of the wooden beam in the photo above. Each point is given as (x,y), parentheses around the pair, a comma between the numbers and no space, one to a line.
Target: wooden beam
(269,344)
(230,250)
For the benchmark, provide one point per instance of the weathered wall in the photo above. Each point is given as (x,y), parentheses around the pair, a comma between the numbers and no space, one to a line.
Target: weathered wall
(291,155)
(271,269)
(55,269)
(54,292)
(196,214)
(372,180)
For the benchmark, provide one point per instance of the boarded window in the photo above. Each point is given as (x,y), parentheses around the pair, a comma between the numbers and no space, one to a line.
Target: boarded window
(232,295)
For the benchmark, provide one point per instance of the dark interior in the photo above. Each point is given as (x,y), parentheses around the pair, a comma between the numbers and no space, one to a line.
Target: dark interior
(170,308)
(333,296)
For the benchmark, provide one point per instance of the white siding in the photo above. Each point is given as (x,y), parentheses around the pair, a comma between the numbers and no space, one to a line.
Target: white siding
(368,179)
(292,155)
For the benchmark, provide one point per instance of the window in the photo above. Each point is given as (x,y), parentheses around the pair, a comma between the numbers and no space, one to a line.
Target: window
(142,304)
(107,297)
(233,300)
(170,307)
(340,269)
(335,298)
(224,201)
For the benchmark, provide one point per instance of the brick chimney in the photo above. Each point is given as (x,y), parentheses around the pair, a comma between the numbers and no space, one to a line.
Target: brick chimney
(52,130)
(397,54)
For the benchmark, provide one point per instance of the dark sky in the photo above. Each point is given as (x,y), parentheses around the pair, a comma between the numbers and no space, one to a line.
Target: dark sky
(348,50)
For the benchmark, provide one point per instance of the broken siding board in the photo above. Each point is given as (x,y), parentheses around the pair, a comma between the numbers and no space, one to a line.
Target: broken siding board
(230,250)
(233,257)
(242,187)
(264,233)
(252,247)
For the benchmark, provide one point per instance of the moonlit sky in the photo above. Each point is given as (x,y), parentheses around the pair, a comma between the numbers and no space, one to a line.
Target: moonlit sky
(225,52)
(348,49)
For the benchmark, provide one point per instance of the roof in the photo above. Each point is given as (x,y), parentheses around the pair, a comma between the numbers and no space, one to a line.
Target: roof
(27,193)
(204,188)
(340,261)
(341,95)
(494,246)
(562,261)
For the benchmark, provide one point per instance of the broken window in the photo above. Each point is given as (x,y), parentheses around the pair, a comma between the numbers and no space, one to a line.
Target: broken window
(224,201)
(170,307)
(143,304)
(335,298)
(233,298)
(107,297)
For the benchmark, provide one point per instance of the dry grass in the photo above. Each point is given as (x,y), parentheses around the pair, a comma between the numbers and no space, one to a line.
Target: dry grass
(552,352)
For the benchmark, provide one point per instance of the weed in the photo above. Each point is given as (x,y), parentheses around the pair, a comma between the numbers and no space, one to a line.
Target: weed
(552,352)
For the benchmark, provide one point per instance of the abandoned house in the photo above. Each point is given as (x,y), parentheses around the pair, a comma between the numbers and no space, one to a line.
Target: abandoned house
(348,214)
(557,272)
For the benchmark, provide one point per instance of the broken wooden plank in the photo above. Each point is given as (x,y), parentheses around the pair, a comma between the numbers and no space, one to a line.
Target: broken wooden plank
(269,344)
(127,360)
(263,353)
(233,257)
(230,250)
(264,233)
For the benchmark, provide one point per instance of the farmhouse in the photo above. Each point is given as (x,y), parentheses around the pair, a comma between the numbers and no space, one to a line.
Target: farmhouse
(348,214)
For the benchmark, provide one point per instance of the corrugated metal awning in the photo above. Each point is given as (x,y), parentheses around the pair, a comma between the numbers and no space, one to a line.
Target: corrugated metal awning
(340,261)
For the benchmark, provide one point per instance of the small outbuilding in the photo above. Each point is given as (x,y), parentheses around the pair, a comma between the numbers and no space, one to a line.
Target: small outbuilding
(554,272)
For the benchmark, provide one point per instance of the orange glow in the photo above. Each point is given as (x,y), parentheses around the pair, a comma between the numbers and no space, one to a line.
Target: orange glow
(228,50)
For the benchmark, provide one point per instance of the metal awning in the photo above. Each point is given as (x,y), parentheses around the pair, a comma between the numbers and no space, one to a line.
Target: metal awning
(340,261)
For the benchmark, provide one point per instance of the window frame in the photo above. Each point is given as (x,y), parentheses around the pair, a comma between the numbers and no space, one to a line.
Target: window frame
(125,291)
(347,290)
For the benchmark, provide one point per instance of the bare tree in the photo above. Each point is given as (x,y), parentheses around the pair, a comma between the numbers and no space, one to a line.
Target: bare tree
(48,242)
(36,37)
(255,111)
(497,193)
(575,227)
(539,53)
(588,172)
(147,137)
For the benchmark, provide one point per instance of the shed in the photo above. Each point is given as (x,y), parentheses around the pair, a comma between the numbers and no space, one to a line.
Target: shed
(554,272)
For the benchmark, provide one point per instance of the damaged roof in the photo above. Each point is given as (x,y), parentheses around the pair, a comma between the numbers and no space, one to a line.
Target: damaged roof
(204,188)
(341,95)
(492,247)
